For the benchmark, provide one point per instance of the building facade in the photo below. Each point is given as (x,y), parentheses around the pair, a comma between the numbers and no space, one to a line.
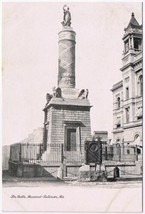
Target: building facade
(128,93)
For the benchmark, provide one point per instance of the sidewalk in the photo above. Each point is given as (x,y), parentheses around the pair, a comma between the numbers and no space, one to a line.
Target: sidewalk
(7,179)
(126,178)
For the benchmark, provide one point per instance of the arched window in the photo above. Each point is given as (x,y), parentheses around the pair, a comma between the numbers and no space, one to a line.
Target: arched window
(118,141)
(140,85)
(118,149)
(137,140)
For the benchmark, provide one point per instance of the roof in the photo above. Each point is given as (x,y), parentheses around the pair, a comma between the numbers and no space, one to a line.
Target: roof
(74,122)
(117,85)
(133,22)
(100,132)
(69,102)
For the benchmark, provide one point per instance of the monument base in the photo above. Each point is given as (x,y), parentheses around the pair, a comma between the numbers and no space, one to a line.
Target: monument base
(86,175)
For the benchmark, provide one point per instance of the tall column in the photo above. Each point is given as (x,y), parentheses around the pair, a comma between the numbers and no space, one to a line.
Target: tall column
(66,73)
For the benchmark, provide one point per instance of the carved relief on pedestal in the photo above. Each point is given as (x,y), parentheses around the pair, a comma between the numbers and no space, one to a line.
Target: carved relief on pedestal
(67,81)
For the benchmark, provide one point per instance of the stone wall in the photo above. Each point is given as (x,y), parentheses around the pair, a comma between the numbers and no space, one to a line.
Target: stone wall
(70,114)
(5,157)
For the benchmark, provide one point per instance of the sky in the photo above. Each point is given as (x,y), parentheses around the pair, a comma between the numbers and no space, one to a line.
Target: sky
(30,59)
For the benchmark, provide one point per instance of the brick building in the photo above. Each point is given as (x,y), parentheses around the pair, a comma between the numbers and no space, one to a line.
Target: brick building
(128,93)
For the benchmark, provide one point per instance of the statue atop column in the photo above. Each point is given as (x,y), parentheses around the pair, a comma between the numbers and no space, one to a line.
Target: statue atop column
(66,17)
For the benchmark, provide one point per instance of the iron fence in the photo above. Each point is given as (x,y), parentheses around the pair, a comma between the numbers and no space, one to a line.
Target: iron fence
(21,152)
(57,153)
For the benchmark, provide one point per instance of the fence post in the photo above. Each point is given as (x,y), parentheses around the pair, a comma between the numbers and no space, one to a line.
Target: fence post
(123,153)
(116,172)
(100,167)
(80,139)
(105,152)
(119,153)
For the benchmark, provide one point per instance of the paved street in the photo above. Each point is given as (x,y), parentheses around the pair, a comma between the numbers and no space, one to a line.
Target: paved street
(44,193)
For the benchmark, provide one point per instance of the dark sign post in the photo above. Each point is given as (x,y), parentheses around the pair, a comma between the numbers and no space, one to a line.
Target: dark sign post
(93,152)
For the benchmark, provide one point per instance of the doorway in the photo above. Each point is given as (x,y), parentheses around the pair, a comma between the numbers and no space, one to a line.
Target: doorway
(71,139)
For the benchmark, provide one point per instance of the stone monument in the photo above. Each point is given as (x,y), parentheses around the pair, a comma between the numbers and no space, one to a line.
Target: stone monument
(67,111)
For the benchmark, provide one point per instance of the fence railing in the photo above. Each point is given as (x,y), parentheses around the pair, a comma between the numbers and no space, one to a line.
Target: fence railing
(24,152)
(57,153)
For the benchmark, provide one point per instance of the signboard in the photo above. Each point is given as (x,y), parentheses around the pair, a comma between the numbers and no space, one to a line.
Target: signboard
(93,150)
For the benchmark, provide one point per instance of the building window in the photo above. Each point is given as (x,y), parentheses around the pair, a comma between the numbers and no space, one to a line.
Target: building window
(118,142)
(127,114)
(126,46)
(127,93)
(118,149)
(118,122)
(118,125)
(139,113)
(139,117)
(137,44)
(118,102)
(71,139)
(140,85)
(137,140)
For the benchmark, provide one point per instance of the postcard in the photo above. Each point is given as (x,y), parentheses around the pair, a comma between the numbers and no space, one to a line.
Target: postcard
(72,79)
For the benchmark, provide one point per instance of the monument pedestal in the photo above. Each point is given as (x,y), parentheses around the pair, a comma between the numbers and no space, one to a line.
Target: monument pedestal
(67,121)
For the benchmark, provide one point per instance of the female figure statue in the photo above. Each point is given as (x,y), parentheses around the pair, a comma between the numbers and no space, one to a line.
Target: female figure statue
(67,16)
